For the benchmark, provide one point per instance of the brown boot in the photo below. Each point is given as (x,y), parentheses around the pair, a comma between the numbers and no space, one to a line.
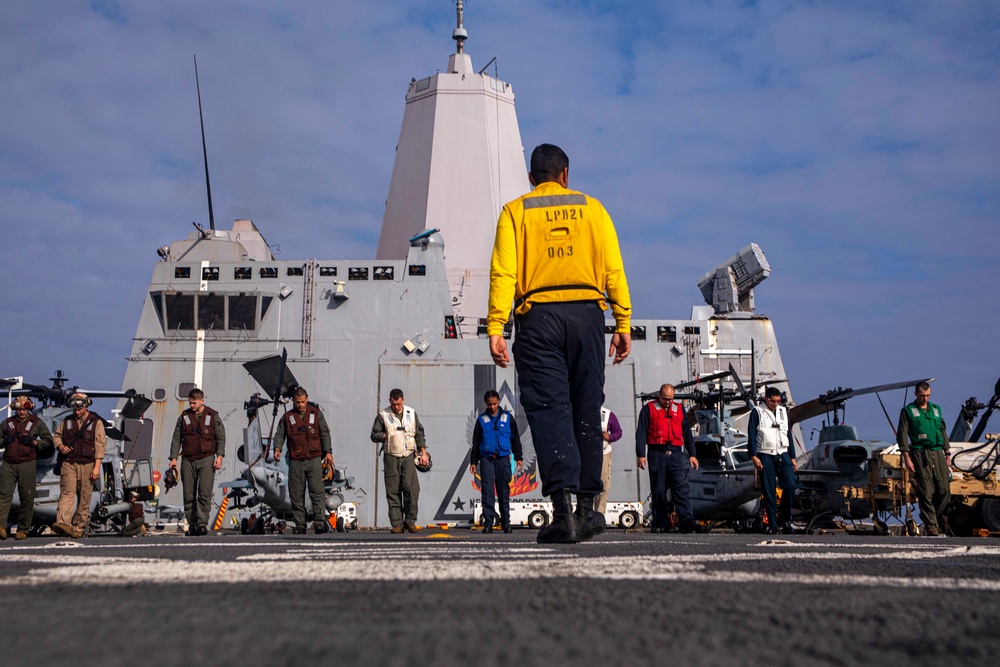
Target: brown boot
(396,530)
(3,533)
(412,528)
(62,529)
(21,535)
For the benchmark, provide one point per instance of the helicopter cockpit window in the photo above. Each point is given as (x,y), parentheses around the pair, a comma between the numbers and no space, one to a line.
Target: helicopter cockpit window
(741,456)
(211,311)
(242,309)
(180,311)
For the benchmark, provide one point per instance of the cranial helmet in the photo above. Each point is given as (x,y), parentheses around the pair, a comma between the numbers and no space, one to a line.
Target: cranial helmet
(79,400)
(22,403)
(425,468)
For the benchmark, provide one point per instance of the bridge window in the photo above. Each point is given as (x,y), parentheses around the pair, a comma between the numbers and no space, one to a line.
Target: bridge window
(182,272)
(180,311)
(211,311)
(294,271)
(242,309)
(269,272)
(327,271)
(666,334)
(210,273)
(357,273)
(242,273)
(382,273)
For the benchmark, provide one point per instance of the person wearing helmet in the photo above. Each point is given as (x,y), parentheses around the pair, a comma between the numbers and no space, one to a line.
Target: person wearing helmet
(200,439)
(82,443)
(309,447)
(401,434)
(136,515)
(23,435)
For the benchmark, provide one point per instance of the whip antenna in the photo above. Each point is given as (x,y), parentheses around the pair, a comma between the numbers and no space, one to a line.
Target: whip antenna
(204,150)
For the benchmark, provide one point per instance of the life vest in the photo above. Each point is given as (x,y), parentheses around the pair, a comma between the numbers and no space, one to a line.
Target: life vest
(81,438)
(605,420)
(400,431)
(772,430)
(13,430)
(925,426)
(198,433)
(666,427)
(496,434)
(302,432)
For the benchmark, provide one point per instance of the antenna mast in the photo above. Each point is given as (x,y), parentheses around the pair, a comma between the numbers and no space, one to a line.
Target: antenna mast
(460,34)
(204,150)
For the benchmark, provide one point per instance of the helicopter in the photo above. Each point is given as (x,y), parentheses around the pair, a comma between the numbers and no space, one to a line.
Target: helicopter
(833,476)
(265,481)
(121,472)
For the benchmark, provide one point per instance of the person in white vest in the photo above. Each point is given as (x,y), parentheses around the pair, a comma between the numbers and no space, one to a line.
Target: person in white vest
(771,453)
(612,431)
(401,434)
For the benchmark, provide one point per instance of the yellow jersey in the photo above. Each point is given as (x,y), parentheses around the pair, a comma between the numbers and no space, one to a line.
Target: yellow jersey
(555,244)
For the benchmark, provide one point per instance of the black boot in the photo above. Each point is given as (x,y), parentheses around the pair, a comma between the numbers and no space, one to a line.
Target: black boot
(563,529)
(589,521)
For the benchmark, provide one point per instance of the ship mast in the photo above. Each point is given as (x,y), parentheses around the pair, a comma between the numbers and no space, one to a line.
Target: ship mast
(460,34)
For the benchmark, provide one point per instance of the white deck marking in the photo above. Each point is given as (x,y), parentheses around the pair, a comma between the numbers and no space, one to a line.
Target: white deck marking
(313,562)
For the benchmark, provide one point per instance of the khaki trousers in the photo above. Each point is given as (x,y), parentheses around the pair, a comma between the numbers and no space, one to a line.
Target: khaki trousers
(601,501)
(75,490)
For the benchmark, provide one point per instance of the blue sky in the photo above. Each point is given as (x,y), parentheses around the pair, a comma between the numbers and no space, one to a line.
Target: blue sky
(857,143)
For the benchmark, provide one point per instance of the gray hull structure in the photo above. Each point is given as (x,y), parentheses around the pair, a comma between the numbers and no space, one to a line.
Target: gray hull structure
(355,329)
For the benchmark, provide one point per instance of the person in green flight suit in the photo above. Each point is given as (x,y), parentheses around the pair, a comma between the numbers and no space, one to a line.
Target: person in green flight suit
(923,440)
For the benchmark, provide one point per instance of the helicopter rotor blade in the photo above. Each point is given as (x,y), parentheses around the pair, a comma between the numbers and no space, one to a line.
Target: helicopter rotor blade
(703,379)
(834,397)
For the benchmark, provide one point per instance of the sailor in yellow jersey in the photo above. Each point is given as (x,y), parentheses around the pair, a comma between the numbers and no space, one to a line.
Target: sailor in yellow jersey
(556,258)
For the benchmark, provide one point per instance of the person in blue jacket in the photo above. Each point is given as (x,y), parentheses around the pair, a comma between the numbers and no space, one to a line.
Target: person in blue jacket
(494,440)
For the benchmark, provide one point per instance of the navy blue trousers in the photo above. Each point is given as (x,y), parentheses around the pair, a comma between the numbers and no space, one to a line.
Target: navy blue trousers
(777,469)
(559,355)
(668,469)
(495,473)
